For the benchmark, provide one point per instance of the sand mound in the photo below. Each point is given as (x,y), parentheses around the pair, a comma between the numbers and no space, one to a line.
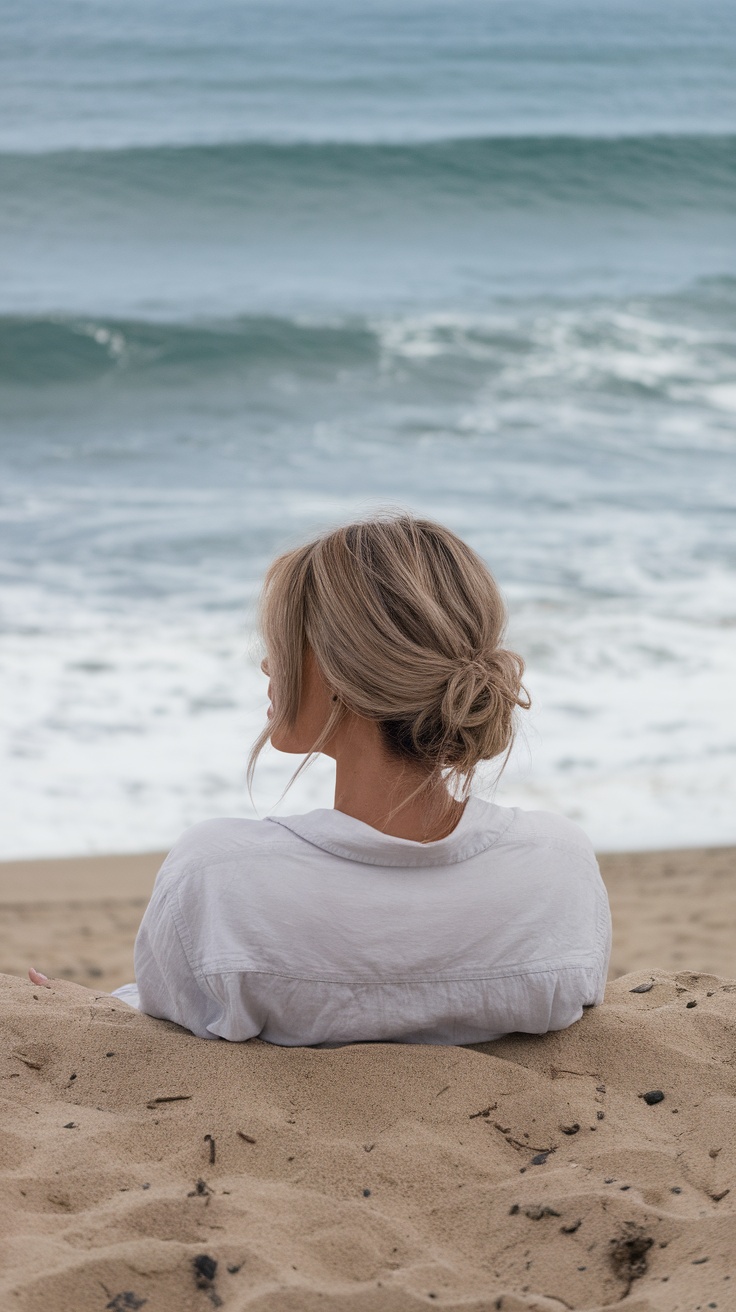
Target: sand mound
(144,1168)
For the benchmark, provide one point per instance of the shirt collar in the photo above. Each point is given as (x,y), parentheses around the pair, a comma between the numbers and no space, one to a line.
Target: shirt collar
(480,825)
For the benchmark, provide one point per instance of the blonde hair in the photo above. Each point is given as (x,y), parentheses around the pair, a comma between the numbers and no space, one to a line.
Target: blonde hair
(405,623)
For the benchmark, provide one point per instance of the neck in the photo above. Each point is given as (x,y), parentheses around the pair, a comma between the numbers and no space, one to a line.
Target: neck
(375,786)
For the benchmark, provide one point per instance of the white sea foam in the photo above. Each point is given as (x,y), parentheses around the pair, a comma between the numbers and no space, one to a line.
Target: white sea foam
(121,730)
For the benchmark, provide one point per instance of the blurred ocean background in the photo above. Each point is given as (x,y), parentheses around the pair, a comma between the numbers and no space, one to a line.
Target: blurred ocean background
(267,265)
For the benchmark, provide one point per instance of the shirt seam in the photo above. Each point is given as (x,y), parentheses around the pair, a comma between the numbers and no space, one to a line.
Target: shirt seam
(169,903)
(180,925)
(207,972)
(604,931)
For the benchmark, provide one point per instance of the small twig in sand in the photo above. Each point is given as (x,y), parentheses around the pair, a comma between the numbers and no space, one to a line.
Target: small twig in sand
(174,1097)
(557,1071)
(517,1143)
(208,1139)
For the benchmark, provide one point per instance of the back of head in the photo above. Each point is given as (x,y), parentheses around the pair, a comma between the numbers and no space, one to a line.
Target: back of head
(406,625)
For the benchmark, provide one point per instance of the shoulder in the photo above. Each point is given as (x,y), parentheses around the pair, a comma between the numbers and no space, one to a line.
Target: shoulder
(219,843)
(548,846)
(555,862)
(546,830)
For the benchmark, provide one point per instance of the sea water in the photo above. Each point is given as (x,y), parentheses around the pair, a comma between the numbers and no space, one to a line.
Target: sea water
(267,266)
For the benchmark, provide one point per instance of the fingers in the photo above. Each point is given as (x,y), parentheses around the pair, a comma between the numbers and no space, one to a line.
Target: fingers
(59,985)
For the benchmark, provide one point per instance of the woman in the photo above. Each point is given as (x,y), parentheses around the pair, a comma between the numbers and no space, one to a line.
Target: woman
(413,911)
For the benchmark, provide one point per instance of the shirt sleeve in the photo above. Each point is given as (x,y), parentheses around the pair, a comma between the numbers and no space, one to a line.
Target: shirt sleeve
(605,939)
(167,985)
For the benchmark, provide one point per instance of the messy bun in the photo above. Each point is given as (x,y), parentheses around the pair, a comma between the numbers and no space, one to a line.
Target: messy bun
(406,625)
(471,718)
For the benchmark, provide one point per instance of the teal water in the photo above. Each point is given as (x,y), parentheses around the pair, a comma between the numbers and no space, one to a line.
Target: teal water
(264,266)
(82,74)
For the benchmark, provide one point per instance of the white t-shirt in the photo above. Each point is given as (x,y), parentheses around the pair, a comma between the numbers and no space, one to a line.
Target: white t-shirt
(318,929)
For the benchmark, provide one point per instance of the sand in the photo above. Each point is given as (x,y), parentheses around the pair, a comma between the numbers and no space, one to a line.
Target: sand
(525,1174)
(74,918)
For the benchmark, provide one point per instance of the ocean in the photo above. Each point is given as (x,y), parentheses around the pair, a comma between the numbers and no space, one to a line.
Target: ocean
(264,267)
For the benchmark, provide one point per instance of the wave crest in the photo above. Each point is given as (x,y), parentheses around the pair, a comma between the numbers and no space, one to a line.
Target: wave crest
(636,172)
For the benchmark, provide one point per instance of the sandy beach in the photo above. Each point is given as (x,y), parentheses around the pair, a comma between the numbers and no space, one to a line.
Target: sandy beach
(146,1168)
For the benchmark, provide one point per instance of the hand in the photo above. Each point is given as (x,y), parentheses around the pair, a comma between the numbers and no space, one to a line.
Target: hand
(60,985)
